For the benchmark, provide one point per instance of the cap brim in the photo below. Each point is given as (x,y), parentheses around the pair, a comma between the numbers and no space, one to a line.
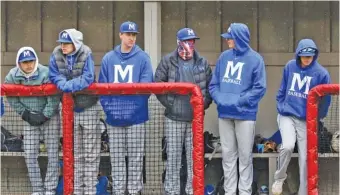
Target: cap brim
(130,32)
(189,38)
(306,54)
(64,41)
(226,36)
(28,59)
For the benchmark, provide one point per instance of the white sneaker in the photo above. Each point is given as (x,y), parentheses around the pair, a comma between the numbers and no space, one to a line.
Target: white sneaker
(277,187)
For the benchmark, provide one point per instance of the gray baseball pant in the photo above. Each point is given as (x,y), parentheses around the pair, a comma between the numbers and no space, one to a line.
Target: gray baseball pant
(51,131)
(237,139)
(292,129)
(86,150)
(177,133)
(126,141)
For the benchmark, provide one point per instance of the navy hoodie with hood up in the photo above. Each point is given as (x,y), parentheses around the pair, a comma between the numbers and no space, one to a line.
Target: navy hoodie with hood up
(239,80)
(297,81)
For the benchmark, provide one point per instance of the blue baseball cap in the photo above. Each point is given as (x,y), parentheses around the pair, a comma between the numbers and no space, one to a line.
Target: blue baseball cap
(186,34)
(129,27)
(228,34)
(27,55)
(64,37)
(307,52)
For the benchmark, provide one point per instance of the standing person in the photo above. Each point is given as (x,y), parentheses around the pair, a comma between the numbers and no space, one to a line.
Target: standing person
(72,70)
(184,64)
(41,117)
(126,115)
(299,76)
(237,86)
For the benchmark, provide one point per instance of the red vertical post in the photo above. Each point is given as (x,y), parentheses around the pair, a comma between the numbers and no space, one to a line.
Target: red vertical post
(68,170)
(312,142)
(314,96)
(198,141)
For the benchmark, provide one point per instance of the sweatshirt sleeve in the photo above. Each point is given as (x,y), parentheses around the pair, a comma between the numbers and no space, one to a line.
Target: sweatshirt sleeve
(147,72)
(52,105)
(54,75)
(161,75)
(14,102)
(214,86)
(281,94)
(84,80)
(325,101)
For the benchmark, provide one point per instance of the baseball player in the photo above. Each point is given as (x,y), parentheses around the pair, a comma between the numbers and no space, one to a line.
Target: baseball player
(72,70)
(299,76)
(126,115)
(237,86)
(41,116)
(190,67)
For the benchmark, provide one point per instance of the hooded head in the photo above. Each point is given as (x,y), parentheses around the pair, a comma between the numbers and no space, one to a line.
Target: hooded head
(69,36)
(27,61)
(240,34)
(307,52)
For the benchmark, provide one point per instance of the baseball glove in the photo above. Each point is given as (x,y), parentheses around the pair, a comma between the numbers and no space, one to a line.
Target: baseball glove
(269,146)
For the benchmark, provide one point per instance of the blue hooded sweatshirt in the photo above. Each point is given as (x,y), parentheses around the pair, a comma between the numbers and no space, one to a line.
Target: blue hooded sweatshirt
(239,79)
(298,81)
(132,67)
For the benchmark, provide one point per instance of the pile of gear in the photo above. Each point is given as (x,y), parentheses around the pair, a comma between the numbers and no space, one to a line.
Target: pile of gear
(10,142)
(263,145)
(328,142)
